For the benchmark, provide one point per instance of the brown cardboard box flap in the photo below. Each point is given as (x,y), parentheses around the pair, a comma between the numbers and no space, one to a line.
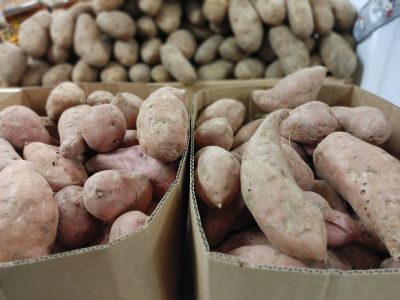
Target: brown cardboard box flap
(220,276)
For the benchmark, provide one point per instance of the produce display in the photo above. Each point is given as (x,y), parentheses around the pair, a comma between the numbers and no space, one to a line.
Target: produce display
(167,40)
(90,172)
(305,185)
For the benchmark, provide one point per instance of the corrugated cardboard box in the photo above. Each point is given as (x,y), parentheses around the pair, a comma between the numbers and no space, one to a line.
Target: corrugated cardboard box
(219,276)
(145,265)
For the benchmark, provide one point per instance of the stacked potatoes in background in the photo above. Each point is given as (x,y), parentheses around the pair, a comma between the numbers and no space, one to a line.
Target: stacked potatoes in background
(307,185)
(168,40)
(90,172)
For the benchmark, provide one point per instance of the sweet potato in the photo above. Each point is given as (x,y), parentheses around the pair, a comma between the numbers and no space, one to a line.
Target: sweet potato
(130,139)
(51,128)
(150,7)
(146,27)
(246,132)
(217,177)
(62,97)
(129,104)
(291,51)
(217,70)
(249,237)
(249,68)
(126,52)
(230,50)
(365,122)
(359,257)
(323,16)
(160,74)
(57,74)
(292,91)
(345,14)
(208,50)
(69,128)
(309,123)
(246,25)
(103,127)
(117,24)
(185,41)
(169,15)
(109,194)
(214,132)
(57,170)
(265,255)
(83,72)
(7,154)
(293,224)
(233,110)
(150,51)
(300,18)
(13,61)
(271,12)
(322,188)
(161,175)
(296,147)
(76,227)
(139,73)
(127,223)
(99,97)
(162,126)
(29,219)
(368,178)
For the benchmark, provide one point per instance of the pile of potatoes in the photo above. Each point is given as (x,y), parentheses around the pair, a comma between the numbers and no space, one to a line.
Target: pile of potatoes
(168,40)
(90,172)
(305,185)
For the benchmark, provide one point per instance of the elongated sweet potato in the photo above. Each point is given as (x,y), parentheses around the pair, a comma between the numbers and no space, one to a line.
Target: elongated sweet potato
(214,132)
(292,91)
(7,154)
(249,237)
(130,139)
(129,104)
(245,132)
(283,212)
(127,223)
(322,188)
(99,97)
(368,178)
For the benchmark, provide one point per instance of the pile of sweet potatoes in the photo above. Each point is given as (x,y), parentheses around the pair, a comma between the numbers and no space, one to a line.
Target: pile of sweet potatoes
(168,40)
(90,172)
(305,185)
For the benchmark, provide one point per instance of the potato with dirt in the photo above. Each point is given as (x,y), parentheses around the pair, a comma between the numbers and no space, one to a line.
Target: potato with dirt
(208,50)
(184,41)
(13,61)
(62,97)
(161,175)
(230,50)
(160,74)
(249,68)
(214,132)
(62,28)
(271,12)
(150,7)
(20,125)
(56,169)
(129,104)
(109,194)
(300,18)
(168,18)
(117,24)
(83,72)
(292,91)
(139,73)
(58,55)
(216,177)
(163,125)
(103,127)
(113,72)
(25,196)
(57,75)
(99,97)
(126,52)
(322,188)
(8,155)
(76,227)
(146,27)
(127,223)
(218,70)
(323,16)
(215,10)
(150,51)
(69,128)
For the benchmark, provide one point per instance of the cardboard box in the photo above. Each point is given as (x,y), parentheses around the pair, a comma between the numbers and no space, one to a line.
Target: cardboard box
(144,265)
(219,276)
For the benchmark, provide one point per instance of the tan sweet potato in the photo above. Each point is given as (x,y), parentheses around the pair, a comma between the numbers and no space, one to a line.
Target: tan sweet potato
(208,50)
(246,132)
(160,74)
(150,51)
(127,223)
(322,188)
(139,73)
(266,255)
(103,127)
(275,70)
(368,178)
(249,237)
(249,68)
(230,50)
(62,97)
(126,52)
(57,75)
(150,7)
(309,123)
(109,194)
(161,175)
(163,125)
(185,41)
(292,91)
(34,72)
(216,177)
(76,227)
(295,146)
(217,70)
(129,104)
(214,132)
(271,12)
(359,257)
(323,16)
(365,122)
(83,72)
(246,25)
(117,24)
(130,139)
(7,154)
(56,169)
(293,224)
(291,51)
(146,27)
(233,110)
(345,14)
(99,97)
(29,219)
(13,61)
(69,128)
(62,28)
(169,15)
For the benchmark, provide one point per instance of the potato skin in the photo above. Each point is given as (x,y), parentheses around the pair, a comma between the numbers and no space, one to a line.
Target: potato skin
(150,7)
(20,125)
(292,91)
(274,70)
(216,177)
(83,72)
(129,104)
(117,24)
(271,12)
(322,188)
(13,61)
(161,174)
(168,18)
(34,72)
(57,75)
(33,35)
(130,139)
(323,16)
(7,154)
(57,54)
(233,110)
(217,70)
(208,50)
(113,72)
(62,97)
(215,10)
(249,68)
(126,52)
(76,227)
(291,51)
(360,172)
(103,127)
(345,14)
(300,18)
(309,123)
(27,197)
(57,170)
(162,126)
(365,122)
(99,97)
(214,132)
(108,194)
(230,50)
(245,133)
(127,223)
(62,28)
(150,51)
(185,41)
(146,27)
(160,74)
(139,73)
